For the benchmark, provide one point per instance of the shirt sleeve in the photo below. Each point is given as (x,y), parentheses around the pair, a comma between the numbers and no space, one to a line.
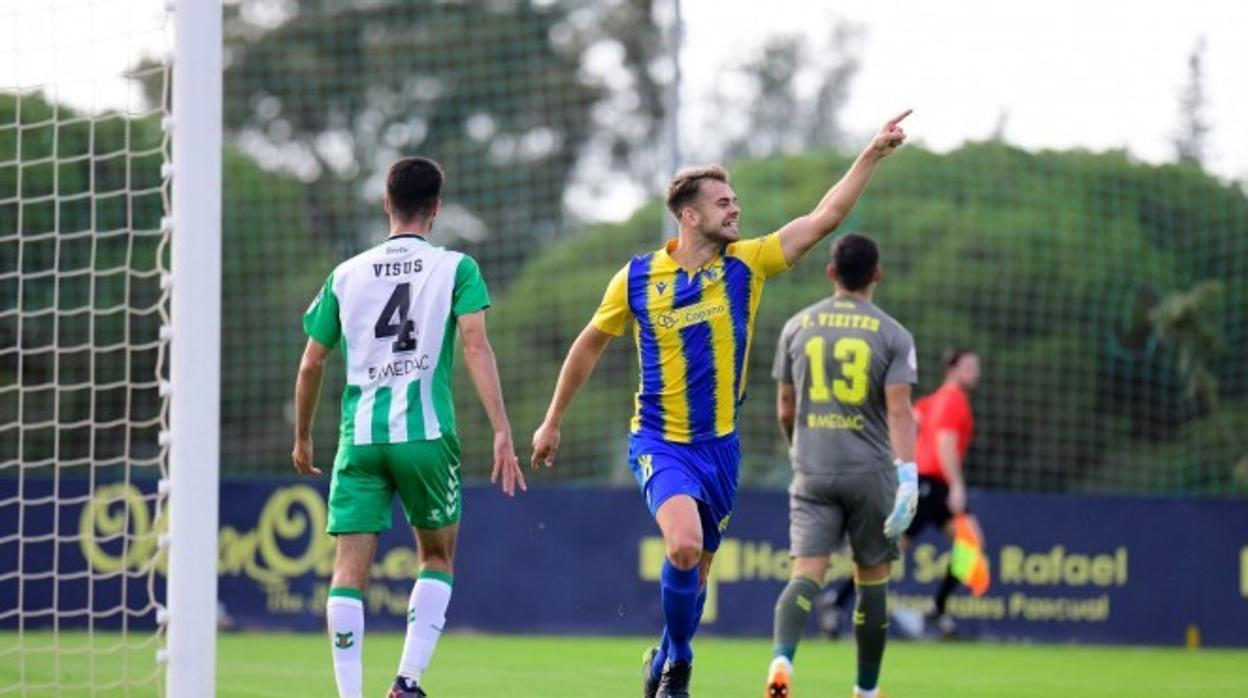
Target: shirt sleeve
(782,366)
(321,321)
(904,366)
(764,255)
(470,294)
(613,314)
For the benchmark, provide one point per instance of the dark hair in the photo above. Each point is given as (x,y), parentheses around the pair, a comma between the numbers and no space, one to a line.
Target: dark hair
(413,185)
(687,184)
(951,356)
(856,258)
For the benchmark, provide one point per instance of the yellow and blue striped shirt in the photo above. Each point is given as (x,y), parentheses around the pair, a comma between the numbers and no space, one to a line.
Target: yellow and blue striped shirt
(693,331)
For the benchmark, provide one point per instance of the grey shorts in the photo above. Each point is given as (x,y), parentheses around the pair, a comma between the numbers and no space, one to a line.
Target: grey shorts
(824,509)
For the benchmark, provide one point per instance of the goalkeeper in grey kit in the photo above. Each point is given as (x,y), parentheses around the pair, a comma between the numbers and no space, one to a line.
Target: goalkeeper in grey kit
(845,370)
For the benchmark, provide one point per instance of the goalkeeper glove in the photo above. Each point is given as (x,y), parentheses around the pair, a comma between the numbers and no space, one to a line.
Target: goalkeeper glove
(906,501)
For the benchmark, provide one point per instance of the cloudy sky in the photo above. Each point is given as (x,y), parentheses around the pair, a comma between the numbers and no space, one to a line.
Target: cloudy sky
(1092,73)
(1065,73)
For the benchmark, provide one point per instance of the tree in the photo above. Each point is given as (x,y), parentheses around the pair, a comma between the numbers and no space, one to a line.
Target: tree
(498,92)
(1028,257)
(1189,142)
(91,221)
(1185,321)
(776,115)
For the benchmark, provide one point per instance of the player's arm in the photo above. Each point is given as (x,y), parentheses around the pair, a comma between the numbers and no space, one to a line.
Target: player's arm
(786,409)
(798,236)
(479,358)
(307,394)
(577,367)
(901,436)
(951,465)
(901,425)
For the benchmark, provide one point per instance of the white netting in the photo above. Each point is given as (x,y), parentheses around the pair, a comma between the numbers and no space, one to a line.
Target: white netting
(83,196)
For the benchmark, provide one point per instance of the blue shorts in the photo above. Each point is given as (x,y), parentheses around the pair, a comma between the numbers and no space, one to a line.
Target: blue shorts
(706,471)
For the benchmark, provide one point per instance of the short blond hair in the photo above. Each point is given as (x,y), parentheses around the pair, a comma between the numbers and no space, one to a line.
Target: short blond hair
(687,184)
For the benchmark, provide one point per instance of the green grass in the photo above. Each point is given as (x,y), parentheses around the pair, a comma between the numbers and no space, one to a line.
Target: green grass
(295,666)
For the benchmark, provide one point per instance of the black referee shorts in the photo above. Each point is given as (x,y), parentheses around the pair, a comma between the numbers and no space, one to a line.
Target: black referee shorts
(933,509)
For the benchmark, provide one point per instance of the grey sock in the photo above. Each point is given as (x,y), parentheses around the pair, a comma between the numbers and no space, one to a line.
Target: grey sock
(871,631)
(792,609)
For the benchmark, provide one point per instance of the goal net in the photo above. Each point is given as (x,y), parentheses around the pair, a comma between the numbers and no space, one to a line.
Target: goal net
(85,223)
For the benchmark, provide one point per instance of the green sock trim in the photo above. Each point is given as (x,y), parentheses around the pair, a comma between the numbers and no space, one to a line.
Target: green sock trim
(443,577)
(348,592)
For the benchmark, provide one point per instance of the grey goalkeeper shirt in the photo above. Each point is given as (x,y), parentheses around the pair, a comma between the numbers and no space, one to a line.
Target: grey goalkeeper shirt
(839,354)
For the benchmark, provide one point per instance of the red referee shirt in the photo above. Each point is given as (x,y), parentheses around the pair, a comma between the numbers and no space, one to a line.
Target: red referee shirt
(946,409)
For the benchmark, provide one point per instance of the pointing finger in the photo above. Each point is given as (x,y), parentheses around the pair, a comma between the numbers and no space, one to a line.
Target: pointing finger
(897,119)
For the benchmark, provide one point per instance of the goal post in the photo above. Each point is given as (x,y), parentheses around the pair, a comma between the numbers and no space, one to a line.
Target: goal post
(195,353)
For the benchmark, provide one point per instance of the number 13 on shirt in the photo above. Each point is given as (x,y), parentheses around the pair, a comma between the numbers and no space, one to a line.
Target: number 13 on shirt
(854,356)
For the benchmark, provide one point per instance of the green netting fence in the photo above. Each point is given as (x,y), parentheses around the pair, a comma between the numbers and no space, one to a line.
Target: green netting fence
(1106,297)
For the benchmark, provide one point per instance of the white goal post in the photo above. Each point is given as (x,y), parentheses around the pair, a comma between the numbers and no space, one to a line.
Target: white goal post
(195,358)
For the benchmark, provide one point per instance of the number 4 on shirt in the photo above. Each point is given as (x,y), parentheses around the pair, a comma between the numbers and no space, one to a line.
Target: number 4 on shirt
(397,309)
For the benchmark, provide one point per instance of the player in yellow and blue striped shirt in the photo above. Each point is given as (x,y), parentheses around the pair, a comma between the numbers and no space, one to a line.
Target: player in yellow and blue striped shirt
(692,305)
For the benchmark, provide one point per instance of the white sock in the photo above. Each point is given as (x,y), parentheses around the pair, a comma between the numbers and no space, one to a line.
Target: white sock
(426,614)
(784,662)
(866,694)
(345,617)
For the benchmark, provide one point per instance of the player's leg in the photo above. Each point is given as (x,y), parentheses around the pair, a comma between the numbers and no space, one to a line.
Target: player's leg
(939,617)
(934,501)
(679,578)
(717,465)
(344,609)
(870,625)
(669,487)
(704,571)
(868,499)
(708,472)
(816,525)
(359,509)
(427,477)
(832,604)
(426,608)
(656,657)
(791,612)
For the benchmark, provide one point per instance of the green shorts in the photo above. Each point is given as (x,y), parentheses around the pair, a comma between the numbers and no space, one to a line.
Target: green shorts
(424,473)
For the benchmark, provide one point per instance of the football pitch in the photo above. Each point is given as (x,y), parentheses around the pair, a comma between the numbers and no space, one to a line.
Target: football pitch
(296,666)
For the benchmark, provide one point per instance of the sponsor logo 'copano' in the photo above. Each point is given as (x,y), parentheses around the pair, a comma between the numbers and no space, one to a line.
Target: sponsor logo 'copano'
(683,317)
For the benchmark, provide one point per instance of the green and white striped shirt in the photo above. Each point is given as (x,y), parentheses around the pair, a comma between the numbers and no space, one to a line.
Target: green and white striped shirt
(393,309)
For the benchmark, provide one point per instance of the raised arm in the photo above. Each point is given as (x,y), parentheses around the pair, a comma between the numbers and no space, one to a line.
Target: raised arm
(307,393)
(479,358)
(577,367)
(799,235)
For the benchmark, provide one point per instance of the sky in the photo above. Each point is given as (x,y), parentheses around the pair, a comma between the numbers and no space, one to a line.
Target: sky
(1096,74)
(1092,73)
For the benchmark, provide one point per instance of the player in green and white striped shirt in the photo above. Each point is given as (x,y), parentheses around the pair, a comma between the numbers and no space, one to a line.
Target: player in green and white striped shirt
(394,310)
